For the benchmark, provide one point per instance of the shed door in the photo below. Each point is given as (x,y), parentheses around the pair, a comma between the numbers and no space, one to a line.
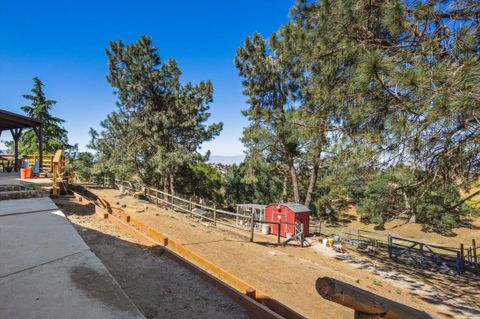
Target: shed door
(281,216)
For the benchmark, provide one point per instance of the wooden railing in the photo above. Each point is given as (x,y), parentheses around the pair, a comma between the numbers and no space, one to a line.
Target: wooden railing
(58,170)
(212,214)
(31,158)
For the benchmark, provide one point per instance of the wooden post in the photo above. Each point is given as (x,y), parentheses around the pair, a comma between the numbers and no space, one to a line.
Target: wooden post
(389,240)
(215,215)
(475,258)
(40,146)
(16,133)
(252,228)
(462,258)
(301,236)
(236,217)
(278,234)
(250,292)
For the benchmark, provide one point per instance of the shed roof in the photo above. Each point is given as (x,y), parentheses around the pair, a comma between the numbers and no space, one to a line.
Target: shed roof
(295,207)
(9,120)
(256,206)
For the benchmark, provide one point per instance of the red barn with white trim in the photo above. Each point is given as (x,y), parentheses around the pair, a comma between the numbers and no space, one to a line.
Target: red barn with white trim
(288,212)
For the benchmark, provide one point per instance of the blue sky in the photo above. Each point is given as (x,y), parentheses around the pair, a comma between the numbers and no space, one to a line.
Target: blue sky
(63,42)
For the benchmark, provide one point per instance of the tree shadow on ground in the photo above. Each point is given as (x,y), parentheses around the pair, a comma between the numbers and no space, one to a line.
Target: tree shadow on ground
(459,294)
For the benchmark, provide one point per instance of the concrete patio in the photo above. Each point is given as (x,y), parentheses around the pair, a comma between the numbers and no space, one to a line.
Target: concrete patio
(13,178)
(47,270)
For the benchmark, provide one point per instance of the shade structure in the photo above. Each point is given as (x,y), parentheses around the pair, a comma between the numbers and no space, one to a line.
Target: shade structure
(15,123)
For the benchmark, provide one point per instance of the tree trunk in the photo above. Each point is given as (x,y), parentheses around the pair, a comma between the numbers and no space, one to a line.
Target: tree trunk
(172,189)
(313,177)
(293,174)
(165,185)
(285,188)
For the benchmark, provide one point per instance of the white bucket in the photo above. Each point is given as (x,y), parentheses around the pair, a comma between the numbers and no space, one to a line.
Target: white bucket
(324,241)
(265,229)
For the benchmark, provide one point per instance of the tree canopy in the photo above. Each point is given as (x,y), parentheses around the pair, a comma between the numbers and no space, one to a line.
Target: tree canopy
(160,122)
(387,90)
(54,135)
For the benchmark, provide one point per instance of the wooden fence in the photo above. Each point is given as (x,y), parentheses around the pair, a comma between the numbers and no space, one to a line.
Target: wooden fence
(211,214)
(465,258)
(32,158)
(470,256)
(425,255)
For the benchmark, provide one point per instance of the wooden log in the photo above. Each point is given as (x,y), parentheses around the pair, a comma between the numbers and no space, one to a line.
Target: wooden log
(365,303)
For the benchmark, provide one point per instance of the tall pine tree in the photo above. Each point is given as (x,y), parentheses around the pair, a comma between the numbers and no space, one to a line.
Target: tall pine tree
(160,122)
(54,135)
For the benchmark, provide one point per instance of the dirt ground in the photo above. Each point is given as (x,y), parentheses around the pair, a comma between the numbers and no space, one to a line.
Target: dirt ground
(288,274)
(155,283)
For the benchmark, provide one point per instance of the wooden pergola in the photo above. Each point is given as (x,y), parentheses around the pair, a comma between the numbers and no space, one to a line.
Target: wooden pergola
(15,123)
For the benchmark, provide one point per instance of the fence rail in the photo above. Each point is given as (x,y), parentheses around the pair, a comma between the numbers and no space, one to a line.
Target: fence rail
(203,212)
(32,158)
(466,258)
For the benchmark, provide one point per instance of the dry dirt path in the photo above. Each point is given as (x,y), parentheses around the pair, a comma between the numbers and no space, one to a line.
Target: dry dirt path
(157,285)
(288,274)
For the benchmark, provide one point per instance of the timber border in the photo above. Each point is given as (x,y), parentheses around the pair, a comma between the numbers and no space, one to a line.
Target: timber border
(256,303)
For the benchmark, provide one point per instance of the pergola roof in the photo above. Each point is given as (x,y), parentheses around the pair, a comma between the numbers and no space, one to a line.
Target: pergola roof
(9,120)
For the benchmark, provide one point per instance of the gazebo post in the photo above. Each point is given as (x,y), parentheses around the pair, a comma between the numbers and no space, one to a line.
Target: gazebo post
(16,136)
(39,132)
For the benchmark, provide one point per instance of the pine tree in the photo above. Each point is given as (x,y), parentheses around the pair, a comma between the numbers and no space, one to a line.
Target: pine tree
(54,135)
(268,88)
(160,123)
(368,87)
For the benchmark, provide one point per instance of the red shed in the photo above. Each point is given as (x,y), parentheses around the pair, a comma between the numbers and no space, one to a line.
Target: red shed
(288,212)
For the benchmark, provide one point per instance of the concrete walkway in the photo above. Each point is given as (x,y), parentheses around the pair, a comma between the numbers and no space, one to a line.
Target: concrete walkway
(47,270)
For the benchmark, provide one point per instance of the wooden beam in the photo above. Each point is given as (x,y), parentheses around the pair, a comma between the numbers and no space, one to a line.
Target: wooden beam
(16,133)
(365,303)
(39,132)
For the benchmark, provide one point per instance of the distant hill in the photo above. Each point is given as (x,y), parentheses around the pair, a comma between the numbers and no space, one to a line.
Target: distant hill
(226,160)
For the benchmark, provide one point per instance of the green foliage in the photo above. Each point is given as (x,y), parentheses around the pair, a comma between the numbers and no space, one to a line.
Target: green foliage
(201,180)
(54,135)
(80,164)
(435,210)
(383,94)
(384,197)
(253,181)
